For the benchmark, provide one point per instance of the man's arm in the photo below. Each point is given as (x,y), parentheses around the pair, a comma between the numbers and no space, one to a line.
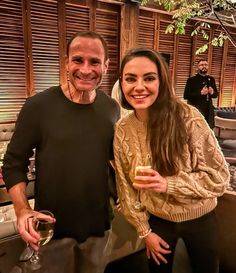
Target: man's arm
(187,91)
(213,89)
(24,214)
(192,90)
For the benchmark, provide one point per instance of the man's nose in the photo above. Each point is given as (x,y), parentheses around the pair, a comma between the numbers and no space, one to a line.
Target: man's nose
(85,68)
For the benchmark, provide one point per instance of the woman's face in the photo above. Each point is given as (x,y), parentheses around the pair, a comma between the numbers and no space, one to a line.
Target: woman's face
(140,84)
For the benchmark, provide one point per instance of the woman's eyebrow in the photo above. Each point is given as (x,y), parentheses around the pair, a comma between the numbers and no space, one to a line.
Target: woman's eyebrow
(130,74)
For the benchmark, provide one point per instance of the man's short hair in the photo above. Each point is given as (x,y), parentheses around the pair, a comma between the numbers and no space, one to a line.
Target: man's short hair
(202,60)
(91,35)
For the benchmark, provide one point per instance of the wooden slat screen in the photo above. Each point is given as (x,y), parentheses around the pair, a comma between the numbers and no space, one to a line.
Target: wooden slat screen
(77,19)
(146,29)
(45,43)
(200,42)
(229,76)
(183,62)
(216,63)
(166,42)
(12,60)
(80,15)
(107,24)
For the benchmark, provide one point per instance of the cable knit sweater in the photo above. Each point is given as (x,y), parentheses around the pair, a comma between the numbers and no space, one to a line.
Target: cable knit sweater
(193,192)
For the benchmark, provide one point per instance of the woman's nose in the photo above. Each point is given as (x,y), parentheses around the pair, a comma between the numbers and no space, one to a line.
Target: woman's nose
(139,84)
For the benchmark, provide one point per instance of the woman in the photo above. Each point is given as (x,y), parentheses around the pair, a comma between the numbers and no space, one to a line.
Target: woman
(175,196)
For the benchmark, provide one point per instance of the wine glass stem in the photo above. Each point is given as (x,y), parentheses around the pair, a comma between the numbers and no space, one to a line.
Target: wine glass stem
(35,258)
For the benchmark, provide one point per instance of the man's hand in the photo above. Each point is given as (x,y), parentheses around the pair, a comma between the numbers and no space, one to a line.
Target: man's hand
(204,91)
(25,223)
(156,248)
(211,90)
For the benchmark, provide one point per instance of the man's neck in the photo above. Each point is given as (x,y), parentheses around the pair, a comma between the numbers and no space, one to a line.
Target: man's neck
(77,96)
(202,74)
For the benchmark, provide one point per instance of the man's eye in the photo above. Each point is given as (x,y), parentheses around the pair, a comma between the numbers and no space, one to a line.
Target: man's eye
(95,62)
(78,60)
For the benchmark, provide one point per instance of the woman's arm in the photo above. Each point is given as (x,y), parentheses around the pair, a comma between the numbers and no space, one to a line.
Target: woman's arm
(127,194)
(206,175)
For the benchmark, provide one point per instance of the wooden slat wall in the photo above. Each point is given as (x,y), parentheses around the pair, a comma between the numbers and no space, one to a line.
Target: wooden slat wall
(12,60)
(229,75)
(77,19)
(146,29)
(216,66)
(166,42)
(183,63)
(34,34)
(45,43)
(107,24)
(199,41)
(216,63)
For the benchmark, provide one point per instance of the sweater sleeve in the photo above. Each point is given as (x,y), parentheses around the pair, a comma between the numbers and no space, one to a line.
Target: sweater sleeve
(20,148)
(207,176)
(127,194)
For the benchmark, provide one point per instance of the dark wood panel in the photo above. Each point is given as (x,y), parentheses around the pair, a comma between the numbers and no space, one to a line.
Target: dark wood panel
(45,43)
(12,60)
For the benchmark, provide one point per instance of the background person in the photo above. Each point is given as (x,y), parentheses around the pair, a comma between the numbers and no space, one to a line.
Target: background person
(115,94)
(71,129)
(176,196)
(199,91)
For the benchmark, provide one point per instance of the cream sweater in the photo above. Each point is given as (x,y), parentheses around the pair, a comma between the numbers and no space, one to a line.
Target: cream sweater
(191,193)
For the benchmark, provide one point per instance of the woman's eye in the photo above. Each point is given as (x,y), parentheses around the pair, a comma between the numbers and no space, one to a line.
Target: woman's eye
(150,78)
(130,79)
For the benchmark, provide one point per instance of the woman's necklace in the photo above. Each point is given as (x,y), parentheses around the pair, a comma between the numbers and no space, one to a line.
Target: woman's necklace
(70,94)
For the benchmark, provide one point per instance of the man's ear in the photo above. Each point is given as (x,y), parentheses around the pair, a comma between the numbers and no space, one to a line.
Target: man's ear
(106,65)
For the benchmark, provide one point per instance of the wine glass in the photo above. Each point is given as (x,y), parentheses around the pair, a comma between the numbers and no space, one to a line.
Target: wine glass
(147,164)
(45,229)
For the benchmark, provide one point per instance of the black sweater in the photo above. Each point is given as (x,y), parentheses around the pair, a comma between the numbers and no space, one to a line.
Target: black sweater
(73,144)
(203,103)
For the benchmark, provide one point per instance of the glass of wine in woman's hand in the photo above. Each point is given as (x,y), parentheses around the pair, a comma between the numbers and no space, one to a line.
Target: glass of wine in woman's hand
(45,229)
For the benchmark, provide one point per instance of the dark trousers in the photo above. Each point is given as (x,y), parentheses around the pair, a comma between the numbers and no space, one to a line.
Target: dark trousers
(200,236)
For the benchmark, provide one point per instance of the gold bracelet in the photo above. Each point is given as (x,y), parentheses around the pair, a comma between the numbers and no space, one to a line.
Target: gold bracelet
(145,234)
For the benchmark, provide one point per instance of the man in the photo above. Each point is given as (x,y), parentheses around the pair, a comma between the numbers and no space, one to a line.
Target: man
(199,91)
(71,129)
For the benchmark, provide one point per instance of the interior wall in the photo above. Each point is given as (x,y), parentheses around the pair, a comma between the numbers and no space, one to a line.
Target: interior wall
(34,36)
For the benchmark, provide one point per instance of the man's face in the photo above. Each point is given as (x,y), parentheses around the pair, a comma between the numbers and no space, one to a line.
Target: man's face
(86,63)
(203,67)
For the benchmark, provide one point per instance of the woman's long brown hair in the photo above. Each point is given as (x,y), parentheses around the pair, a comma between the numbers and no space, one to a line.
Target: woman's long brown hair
(166,128)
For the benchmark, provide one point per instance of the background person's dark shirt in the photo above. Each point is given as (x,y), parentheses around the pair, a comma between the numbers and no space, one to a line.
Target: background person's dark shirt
(203,103)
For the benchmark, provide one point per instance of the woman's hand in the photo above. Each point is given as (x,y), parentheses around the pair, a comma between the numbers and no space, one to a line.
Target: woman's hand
(156,248)
(150,179)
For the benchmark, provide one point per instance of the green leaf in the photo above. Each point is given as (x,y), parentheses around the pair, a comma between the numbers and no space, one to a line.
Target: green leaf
(202,49)
(214,41)
(169,28)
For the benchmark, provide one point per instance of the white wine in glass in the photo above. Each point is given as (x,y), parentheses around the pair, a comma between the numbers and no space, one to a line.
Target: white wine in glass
(45,229)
